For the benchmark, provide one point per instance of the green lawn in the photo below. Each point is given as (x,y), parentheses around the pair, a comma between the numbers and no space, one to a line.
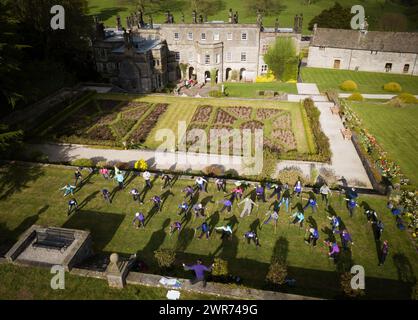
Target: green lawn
(395,129)
(368,82)
(24,283)
(108,10)
(31,196)
(249,90)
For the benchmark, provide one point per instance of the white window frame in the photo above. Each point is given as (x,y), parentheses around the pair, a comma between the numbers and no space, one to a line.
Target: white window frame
(229,36)
(216,36)
(176,35)
(178,56)
(190,54)
(244,36)
(244,54)
(229,56)
(203,36)
(218,58)
(190,36)
(207,59)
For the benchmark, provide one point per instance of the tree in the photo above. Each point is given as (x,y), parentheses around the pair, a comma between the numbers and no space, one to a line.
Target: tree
(153,7)
(71,46)
(8,138)
(336,17)
(207,7)
(282,60)
(266,7)
(10,56)
(393,21)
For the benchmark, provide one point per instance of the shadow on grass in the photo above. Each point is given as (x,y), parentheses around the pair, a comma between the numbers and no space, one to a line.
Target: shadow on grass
(102,232)
(15,178)
(9,237)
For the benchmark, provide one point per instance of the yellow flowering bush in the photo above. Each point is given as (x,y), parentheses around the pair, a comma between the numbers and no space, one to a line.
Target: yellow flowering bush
(141,165)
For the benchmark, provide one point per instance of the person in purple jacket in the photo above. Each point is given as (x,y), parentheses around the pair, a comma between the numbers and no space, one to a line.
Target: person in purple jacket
(176,226)
(334,249)
(345,238)
(227,205)
(199,270)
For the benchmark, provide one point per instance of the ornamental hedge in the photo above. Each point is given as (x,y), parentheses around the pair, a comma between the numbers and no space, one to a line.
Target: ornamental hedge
(348,85)
(392,87)
(321,140)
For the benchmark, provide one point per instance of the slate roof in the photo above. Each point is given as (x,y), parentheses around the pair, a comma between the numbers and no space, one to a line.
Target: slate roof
(405,42)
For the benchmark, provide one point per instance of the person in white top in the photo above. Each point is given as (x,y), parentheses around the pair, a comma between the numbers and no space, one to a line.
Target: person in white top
(325,190)
(248,205)
(201,183)
(147,177)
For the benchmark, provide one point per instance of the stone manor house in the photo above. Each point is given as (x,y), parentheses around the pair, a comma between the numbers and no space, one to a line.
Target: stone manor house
(145,57)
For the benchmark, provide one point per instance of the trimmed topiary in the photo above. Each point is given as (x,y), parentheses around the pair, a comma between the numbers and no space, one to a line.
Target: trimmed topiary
(348,85)
(392,87)
(356,96)
(407,98)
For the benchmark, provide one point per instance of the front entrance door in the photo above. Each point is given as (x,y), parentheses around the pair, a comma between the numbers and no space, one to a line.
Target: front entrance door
(337,64)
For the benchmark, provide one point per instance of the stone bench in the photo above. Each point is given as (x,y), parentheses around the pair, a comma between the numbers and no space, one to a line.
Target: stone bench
(54,239)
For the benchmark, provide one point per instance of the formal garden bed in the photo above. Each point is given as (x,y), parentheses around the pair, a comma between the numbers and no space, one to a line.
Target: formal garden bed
(107,122)
(129,121)
(276,124)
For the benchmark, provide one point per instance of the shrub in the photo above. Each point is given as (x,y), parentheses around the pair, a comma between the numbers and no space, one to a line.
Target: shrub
(392,87)
(215,94)
(234,75)
(123,166)
(214,170)
(277,273)
(321,140)
(349,292)
(220,267)
(407,98)
(37,156)
(141,165)
(165,257)
(348,85)
(356,96)
(290,175)
(102,164)
(82,163)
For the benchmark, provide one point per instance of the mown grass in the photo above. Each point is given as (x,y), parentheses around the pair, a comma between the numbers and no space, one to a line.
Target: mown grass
(395,129)
(24,283)
(368,82)
(31,195)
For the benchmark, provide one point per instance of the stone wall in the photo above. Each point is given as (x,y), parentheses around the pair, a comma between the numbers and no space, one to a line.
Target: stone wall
(362,60)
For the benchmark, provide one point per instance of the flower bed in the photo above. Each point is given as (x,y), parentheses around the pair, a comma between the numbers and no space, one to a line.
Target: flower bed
(264,114)
(286,138)
(136,113)
(202,114)
(253,125)
(141,133)
(284,121)
(240,112)
(223,117)
(384,167)
(102,133)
